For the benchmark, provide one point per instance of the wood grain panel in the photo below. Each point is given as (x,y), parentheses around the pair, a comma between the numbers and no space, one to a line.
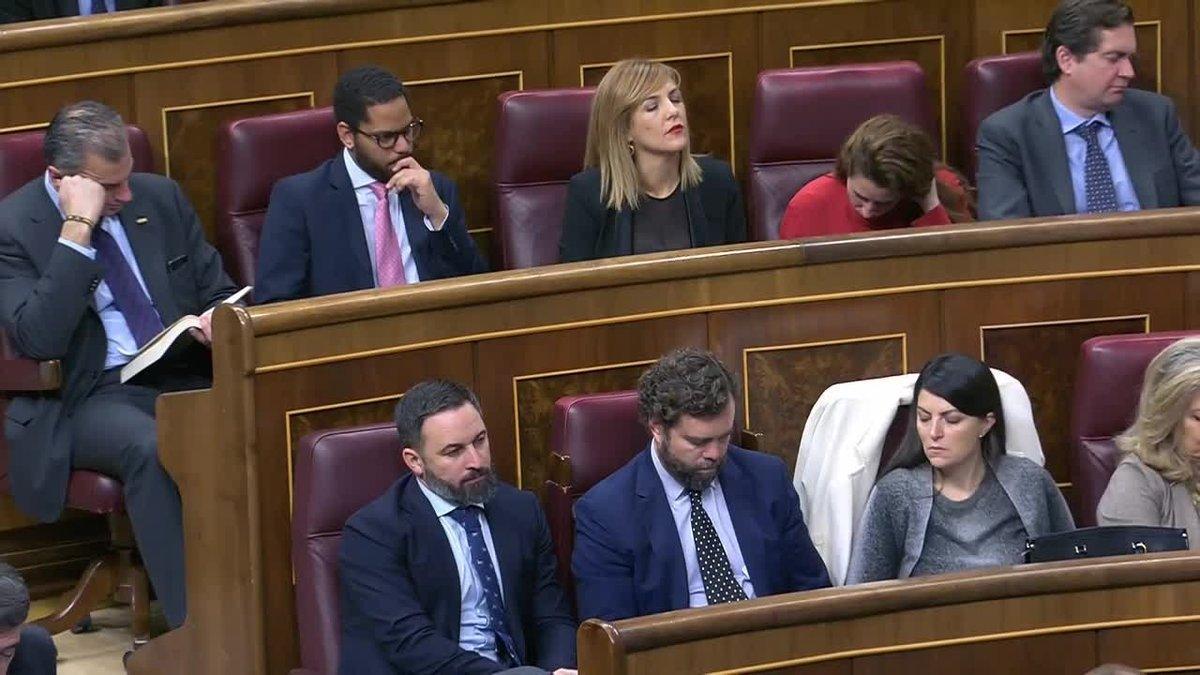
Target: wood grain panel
(783,383)
(37,104)
(51,557)
(1067,653)
(190,146)
(781,400)
(1142,646)
(502,361)
(303,423)
(1043,355)
(707,85)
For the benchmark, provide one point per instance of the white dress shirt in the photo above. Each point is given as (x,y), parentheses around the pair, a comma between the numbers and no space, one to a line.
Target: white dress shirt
(713,500)
(475,632)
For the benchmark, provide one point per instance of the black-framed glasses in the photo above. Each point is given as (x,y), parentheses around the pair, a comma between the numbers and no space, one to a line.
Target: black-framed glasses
(387,139)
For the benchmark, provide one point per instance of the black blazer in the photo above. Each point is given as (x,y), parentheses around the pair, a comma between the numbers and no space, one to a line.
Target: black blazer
(401,597)
(591,230)
(30,10)
(46,307)
(313,244)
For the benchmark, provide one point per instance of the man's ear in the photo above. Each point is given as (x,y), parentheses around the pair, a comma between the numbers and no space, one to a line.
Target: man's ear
(1064,58)
(412,459)
(345,135)
(659,431)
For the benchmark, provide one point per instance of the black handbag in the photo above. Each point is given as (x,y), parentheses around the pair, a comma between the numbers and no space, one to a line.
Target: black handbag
(1095,542)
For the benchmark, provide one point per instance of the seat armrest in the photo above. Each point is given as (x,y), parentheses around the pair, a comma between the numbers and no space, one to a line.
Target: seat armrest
(18,374)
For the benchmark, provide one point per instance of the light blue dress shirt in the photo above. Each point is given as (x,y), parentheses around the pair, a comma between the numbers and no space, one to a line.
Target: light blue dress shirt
(88,7)
(121,344)
(474,633)
(713,500)
(1077,154)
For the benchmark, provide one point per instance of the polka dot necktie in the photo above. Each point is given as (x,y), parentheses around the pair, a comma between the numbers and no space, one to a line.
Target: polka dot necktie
(1098,186)
(481,560)
(719,583)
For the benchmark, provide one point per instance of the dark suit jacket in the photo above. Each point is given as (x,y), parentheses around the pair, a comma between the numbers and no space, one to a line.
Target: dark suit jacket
(312,242)
(591,230)
(29,10)
(401,595)
(628,560)
(1023,169)
(46,308)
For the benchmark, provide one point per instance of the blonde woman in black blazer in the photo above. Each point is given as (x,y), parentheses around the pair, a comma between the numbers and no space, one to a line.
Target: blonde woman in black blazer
(643,191)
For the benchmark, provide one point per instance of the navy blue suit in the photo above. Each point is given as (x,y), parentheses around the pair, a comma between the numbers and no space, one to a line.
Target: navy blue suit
(312,241)
(401,595)
(628,560)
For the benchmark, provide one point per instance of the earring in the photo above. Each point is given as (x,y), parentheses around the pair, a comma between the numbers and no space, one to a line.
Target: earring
(631,148)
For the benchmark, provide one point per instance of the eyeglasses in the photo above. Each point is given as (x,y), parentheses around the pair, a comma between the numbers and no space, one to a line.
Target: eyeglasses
(387,139)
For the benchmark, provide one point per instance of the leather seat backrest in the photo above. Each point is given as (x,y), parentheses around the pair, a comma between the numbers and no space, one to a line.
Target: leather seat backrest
(991,83)
(802,116)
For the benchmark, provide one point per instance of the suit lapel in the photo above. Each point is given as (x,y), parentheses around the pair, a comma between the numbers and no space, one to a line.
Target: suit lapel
(345,205)
(617,238)
(46,224)
(1135,152)
(747,527)
(1049,142)
(697,221)
(502,523)
(654,513)
(431,539)
(142,233)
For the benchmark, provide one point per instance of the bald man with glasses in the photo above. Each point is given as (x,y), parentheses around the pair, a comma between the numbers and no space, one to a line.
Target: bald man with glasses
(370,217)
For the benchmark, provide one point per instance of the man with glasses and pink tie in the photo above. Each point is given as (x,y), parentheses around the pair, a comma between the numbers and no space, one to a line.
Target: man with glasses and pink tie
(370,217)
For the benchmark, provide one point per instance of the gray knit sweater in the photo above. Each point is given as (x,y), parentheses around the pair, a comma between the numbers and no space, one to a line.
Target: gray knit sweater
(891,536)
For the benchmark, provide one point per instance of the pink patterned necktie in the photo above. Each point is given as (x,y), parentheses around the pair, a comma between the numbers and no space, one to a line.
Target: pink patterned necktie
(389,268)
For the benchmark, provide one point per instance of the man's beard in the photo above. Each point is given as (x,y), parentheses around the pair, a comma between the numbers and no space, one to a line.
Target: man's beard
(381,173)
(476,492)
(690,478)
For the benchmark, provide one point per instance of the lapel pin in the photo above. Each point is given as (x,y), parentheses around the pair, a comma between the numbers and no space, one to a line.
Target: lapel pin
(142,220)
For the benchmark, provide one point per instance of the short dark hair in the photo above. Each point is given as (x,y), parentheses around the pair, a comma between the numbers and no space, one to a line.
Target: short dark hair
(14,598)
(84,128)
(686,381)
(361,88)
(968,385)
(1076,25)
(424,400)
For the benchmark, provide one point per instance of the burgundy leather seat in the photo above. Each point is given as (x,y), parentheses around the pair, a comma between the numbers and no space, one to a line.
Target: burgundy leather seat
(22,159)
(1107,386)
(592,435)
(802,116)
(991,83)
(540,138)
(337,472)
(252,154)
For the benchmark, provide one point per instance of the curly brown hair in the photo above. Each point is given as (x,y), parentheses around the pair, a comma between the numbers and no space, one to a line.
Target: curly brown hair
(687,381)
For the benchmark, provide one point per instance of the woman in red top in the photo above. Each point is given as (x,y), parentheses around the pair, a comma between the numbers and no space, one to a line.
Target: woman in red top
(886,177)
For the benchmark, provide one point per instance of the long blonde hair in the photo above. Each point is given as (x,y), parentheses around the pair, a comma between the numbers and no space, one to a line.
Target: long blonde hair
(1172,381)
(620,92)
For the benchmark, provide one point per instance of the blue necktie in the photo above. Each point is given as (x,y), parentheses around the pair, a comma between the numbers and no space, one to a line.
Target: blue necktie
(99,7)
(133,303)
(481,560)
(1098,185)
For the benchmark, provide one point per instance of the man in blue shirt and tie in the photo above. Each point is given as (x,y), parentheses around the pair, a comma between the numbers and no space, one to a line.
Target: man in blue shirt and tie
(450,571)
(30,10)
(1089,143)
(691,521)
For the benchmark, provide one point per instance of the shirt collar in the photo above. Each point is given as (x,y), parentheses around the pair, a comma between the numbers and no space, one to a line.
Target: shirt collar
(441,506)
(1068,120)
(358,178)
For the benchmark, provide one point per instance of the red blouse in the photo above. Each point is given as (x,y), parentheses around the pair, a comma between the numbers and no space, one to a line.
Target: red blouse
(822,207)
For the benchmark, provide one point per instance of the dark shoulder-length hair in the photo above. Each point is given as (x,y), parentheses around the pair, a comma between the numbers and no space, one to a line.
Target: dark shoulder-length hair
(969,386)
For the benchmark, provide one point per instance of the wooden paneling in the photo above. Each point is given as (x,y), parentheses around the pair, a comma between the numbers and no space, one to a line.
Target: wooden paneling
(525,375)
(37,104)
(1070,653)
(795,352)
(1034,331)
(1143,645)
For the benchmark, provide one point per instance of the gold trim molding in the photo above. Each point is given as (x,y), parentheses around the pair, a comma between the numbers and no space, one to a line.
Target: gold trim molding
(1058,322)
(940,39)
(554,373)
(808,345)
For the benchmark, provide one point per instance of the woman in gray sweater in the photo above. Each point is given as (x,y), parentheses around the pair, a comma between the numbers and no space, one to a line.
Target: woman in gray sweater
(951,498)
(1158,481)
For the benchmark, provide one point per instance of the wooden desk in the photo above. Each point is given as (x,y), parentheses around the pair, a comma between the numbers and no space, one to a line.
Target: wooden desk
(1066,618)
(789,318)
